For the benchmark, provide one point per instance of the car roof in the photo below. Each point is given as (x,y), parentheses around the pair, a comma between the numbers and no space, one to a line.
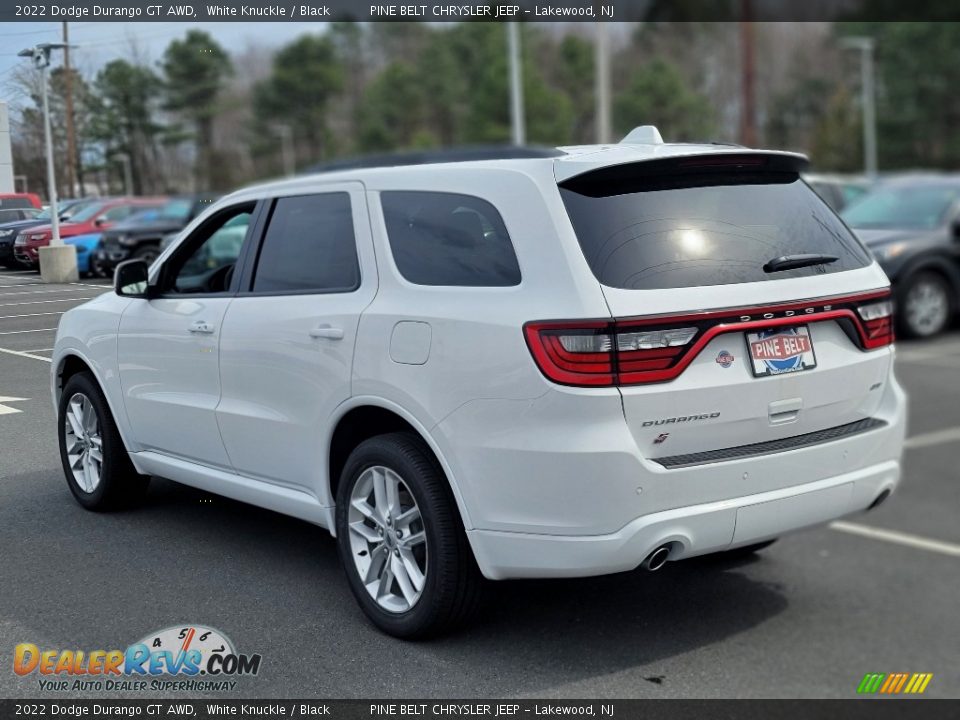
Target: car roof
(642,144)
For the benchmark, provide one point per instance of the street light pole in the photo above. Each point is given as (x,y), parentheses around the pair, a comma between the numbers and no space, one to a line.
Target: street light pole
(868,100)
(517,121)
(51,177)
(58,262)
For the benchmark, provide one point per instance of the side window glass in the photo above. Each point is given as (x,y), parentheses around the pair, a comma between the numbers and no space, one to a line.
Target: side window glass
(117,213)
(449,239)
(309,246)
(210,253)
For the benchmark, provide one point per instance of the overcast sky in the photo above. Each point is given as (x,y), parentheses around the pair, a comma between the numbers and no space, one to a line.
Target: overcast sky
(100,42)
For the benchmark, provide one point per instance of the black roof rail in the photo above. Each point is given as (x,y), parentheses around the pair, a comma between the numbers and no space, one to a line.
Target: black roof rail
(432,157)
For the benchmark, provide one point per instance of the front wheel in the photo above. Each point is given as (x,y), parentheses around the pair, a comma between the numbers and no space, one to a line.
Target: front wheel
(401,540)
(925,305)
(98,469)
(148,254)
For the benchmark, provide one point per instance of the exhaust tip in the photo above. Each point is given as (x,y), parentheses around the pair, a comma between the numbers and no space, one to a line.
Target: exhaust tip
(657,559)
(879,499)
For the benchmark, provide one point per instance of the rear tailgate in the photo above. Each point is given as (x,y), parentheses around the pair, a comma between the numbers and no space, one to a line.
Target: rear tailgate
(715,351)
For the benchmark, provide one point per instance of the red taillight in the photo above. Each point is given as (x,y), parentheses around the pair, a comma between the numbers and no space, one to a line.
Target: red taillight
(573,354)
(605,354)
(658,349)
(877,320)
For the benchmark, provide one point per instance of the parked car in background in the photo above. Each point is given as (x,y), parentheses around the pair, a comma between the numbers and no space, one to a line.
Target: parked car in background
(838,191)
(912,226)
(563,365)
(8,215)
(20,200)
(86,246)
(142,237)
(31,217)
(94,218)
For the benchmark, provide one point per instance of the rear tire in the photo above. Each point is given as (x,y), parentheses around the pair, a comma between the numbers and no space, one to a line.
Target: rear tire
(96,464)
(392,492)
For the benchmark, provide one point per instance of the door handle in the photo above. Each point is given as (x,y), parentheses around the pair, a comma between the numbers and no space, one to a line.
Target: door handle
(327,331)
(785,411)
(201,327)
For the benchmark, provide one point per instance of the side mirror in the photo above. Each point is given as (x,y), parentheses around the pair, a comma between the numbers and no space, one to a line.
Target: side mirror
(130,279)
(100,222)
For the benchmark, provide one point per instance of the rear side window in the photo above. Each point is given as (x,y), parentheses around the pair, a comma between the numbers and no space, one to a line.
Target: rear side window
(309,246)
(15,203)
(664,230)
(449,239)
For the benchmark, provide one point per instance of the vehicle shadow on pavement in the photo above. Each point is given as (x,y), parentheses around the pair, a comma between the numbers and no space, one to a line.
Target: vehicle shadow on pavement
(274,586)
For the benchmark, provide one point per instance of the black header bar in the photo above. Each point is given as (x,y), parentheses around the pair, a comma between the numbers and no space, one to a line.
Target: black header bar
(306,11)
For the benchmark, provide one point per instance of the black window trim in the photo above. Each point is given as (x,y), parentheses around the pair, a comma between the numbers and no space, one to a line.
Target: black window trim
(243,259)
(250,268)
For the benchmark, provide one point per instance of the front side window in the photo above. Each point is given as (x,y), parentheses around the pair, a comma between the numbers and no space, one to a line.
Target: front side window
(205,262)
(449,239)
(309,246)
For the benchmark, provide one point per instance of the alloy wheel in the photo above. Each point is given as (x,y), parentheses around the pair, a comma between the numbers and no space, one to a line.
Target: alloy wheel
(387,539)
(927,307)
(84,442)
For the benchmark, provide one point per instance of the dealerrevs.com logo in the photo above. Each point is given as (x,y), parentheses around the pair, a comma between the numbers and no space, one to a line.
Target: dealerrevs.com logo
(181,657)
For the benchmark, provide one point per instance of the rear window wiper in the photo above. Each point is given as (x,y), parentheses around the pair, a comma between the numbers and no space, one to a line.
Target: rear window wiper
(792,262)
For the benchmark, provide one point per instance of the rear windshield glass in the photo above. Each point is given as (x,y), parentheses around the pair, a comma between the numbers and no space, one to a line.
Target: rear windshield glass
(657,232)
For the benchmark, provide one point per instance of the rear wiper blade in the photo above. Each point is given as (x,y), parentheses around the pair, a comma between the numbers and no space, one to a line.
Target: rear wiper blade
(792,262)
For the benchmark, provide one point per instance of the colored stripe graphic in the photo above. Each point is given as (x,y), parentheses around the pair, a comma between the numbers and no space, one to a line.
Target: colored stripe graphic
(894,683)
(870,683)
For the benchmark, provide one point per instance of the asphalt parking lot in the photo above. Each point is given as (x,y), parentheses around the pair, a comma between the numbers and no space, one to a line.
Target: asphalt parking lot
(807,618)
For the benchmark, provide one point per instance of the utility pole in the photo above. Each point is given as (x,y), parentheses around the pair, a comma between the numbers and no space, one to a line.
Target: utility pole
(72,173)
(868,100)
(518,130)
(124,159)
(601,67)
(285,133)
(601,61)
(748,116)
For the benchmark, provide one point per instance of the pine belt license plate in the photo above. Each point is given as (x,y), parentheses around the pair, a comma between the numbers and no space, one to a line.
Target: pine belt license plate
(778,351)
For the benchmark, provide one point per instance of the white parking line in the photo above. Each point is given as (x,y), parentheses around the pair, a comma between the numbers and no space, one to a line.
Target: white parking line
(10,317)
(25,354)
(945,361)
(929,352)
(937,437)
(899,538)
(41,302)
(18,332)
(41,292)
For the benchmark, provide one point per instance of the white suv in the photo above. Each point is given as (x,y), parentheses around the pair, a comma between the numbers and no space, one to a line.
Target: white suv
(553,366)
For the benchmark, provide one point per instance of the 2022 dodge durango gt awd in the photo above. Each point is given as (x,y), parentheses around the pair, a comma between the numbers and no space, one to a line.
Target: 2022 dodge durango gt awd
(558,366)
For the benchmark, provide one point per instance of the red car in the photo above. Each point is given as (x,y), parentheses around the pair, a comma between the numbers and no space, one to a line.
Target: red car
(20,200)
(92,219)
